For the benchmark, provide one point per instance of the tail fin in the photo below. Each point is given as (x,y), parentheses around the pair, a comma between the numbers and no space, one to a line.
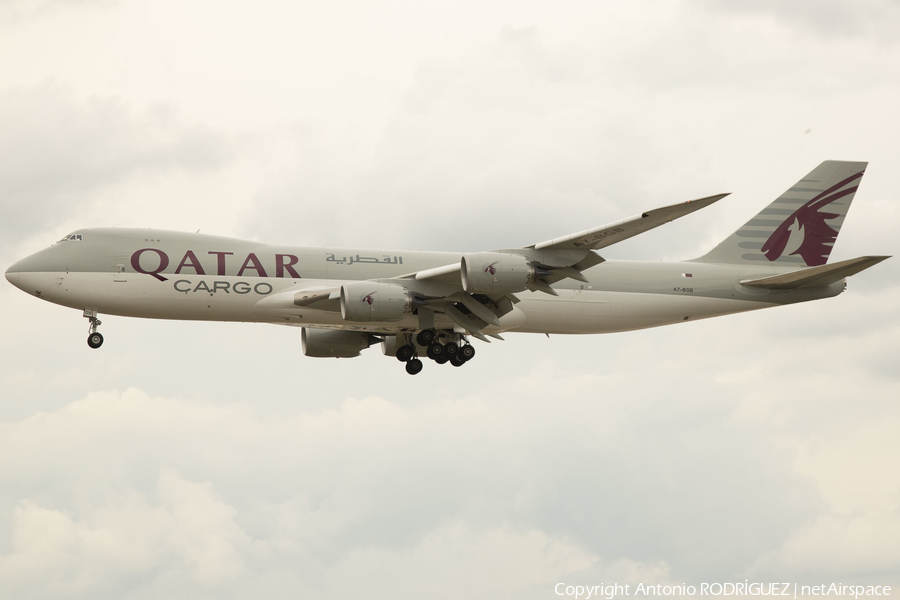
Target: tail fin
(800,227)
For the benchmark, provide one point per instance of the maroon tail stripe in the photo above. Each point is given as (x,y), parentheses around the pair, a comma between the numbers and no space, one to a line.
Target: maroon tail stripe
(838,186)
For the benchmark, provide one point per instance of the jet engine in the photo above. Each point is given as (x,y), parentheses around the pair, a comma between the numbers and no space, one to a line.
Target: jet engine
(496,272)
(365,301)
(334,343)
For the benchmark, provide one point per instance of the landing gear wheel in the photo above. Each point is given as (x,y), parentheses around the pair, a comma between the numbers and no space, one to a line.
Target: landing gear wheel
(434,351)
(467,352)
(405,353)
(457,360)
(425,337)
(414,366)
(95,340)
(451,348)
(442,359)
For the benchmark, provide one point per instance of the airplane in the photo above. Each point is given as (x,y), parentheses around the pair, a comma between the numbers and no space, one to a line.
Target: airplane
(432,304)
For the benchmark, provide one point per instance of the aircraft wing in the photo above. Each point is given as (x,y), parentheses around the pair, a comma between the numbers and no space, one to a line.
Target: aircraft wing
(478,290)
(607,235)
(567,256)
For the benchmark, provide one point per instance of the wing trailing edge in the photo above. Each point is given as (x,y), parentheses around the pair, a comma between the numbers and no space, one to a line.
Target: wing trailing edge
(816,276)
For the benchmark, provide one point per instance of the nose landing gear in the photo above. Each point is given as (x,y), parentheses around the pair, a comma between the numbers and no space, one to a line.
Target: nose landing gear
(95,338)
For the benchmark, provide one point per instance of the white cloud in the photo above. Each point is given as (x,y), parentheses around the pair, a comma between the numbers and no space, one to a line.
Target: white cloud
(61,157)
(857,538)
(861,548)
(454,562)
(115,523)
(571,474)
(831,18)
(183,535)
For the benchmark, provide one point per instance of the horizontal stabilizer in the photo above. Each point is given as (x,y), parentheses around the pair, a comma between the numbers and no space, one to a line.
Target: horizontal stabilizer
(816,276)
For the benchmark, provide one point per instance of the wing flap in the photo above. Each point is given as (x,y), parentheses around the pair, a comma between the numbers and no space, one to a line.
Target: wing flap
(816,276)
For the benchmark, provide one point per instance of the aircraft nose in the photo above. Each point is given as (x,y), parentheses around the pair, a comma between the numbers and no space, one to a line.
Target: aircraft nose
(12,275)
(40,264)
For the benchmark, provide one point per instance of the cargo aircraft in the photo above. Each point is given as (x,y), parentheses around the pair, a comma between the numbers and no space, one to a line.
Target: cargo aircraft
(433,303)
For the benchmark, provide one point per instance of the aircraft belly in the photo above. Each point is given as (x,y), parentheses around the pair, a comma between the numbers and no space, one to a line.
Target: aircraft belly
(220,298)
(226,298)
(333,320)
(577,311)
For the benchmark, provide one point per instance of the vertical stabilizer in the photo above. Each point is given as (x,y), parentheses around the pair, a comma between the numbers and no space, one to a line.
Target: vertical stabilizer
(800,227)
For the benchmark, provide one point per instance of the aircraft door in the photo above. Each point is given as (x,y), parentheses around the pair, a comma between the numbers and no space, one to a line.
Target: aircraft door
(120,275)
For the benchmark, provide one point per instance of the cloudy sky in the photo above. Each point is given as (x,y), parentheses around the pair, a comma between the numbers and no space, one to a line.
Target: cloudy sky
(212,460)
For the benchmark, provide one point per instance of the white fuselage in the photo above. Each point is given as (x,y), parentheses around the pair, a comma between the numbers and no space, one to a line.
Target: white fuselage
(171,275)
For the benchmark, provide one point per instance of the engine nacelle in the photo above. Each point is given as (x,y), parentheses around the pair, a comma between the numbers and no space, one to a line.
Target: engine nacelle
(496,272)
(333,343)
(365,301)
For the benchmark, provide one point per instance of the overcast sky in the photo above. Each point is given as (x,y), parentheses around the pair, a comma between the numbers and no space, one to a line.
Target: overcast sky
(213,460)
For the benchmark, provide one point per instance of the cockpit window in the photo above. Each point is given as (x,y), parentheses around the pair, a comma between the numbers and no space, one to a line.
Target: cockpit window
(75,237)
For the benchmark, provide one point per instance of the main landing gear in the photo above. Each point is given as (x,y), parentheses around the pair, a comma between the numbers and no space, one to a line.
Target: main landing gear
(452,351)
(95,338)
(407,354)
(414,367)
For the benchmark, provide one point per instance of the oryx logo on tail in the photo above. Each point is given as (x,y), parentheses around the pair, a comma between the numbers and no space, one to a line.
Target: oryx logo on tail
(806,232)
